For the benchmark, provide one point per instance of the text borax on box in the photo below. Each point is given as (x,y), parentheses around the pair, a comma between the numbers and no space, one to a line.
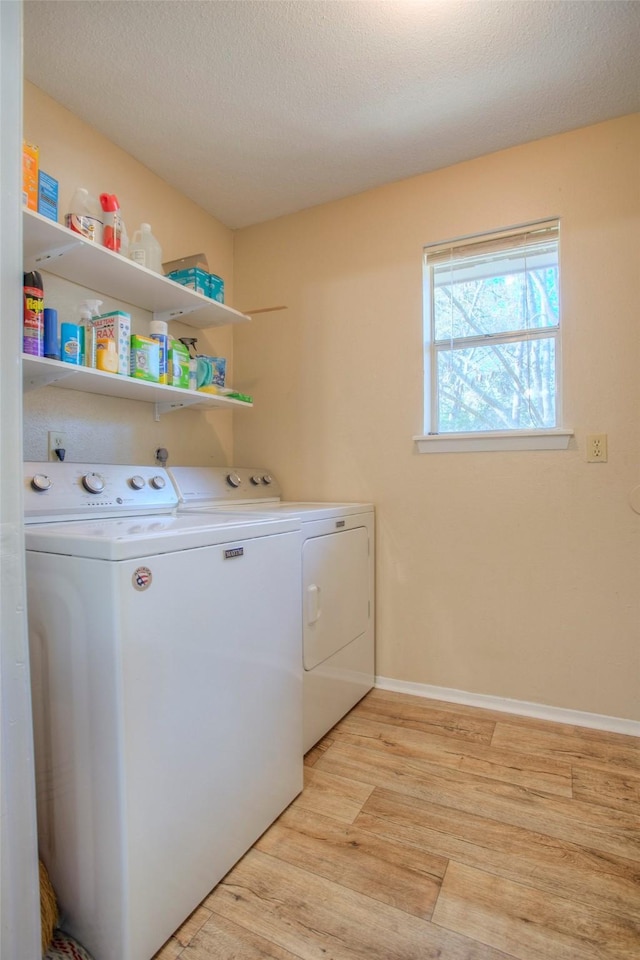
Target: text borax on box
(115,325)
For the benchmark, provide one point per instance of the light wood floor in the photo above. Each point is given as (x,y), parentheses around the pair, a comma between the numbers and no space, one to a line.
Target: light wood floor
(432,830)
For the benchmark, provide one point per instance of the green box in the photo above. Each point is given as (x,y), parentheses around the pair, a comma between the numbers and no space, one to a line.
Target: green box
(178,365)
(144,358)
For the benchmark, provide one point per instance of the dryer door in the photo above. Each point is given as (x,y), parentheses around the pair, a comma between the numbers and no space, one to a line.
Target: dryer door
(335,587)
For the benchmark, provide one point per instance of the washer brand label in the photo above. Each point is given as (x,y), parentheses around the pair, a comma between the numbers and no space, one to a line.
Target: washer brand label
(233,552)
(141,578)
(340,523)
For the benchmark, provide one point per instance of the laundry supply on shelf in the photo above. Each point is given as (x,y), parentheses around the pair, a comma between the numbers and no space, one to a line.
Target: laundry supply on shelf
(33,314)
(89,309)
(159,331)
(106,355)
(85,215)
(47,196)
(193,272)
(211,371)
(179,365)
(124,240)
(30,168)
(115,325)
(70,351)
(145,250)
(112,221)
(216,288)
(145,358)
(51,343)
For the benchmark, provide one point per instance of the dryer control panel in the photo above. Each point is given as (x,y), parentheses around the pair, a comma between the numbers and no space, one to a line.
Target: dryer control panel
(224,484)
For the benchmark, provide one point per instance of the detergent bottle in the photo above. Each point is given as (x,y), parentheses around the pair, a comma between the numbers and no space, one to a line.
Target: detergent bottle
(85,216)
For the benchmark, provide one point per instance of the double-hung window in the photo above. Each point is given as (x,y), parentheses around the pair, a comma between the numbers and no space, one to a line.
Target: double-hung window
(492,336)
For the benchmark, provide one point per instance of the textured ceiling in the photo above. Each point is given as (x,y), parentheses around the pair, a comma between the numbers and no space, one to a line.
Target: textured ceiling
(258,109)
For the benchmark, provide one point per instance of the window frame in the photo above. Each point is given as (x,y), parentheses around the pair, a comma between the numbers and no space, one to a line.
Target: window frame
(556,437)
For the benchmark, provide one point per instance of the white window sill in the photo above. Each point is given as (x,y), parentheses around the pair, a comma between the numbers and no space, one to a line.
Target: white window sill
(513,440)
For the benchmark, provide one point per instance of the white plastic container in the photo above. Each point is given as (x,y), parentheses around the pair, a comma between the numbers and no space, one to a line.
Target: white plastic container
(85,215)
(124,240)
(145,250)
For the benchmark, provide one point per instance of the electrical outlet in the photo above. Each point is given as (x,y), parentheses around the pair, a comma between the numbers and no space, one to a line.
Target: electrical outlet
(597,448)
(57,441)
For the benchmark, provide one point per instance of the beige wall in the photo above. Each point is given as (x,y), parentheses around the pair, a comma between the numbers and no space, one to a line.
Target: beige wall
(104,429)
(509,574)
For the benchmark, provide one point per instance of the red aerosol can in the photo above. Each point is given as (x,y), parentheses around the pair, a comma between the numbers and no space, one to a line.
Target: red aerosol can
(112,218)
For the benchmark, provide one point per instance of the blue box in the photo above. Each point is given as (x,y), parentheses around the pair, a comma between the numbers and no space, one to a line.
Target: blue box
(47,196)
(193,277)
(211,371)
(216,288)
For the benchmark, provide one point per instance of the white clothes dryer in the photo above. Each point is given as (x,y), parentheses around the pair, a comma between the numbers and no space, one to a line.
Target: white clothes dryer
(336,587)
(167,694)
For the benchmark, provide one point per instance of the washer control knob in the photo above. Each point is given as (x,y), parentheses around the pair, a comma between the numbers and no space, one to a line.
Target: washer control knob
(256,480)
(233,480)
(137,482)
(41,482)
(158,482)
(93,482)
(267,479)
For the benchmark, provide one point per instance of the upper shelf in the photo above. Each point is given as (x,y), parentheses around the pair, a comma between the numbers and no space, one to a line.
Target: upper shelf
(52,247)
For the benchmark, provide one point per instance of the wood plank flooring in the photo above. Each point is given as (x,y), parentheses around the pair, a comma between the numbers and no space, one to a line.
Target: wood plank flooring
(433,830)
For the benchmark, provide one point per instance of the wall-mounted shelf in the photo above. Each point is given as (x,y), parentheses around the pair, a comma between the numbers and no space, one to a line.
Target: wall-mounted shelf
(41,372)
(52,247)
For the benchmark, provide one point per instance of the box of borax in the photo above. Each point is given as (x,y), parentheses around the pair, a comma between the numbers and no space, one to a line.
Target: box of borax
(145,358)
(47,196)
(115,325)
(30,165)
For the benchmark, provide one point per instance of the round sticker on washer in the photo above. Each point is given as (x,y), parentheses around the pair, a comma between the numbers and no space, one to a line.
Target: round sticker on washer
(142,578)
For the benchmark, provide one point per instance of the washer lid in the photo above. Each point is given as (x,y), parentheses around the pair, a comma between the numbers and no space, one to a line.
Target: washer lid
(136,537)
(305,511)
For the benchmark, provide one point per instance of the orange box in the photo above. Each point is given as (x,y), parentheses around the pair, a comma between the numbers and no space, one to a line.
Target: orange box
(30,164)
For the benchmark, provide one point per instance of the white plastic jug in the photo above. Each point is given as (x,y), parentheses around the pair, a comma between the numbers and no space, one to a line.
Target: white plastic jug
(145,250)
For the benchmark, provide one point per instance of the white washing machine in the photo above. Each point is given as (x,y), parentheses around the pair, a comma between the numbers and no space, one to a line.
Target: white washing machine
(337,584)
(165,657)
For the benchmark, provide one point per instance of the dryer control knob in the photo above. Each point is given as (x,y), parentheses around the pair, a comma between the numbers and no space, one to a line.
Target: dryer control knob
(233,480)
(41,482)
(267,479)
(256,480)
(137,482)
(93,482)
(158,483)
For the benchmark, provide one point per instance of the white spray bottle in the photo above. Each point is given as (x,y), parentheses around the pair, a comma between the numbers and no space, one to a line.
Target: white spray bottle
(88,310)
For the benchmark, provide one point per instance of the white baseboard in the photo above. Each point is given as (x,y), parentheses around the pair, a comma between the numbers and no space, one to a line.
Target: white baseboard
(521,707)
